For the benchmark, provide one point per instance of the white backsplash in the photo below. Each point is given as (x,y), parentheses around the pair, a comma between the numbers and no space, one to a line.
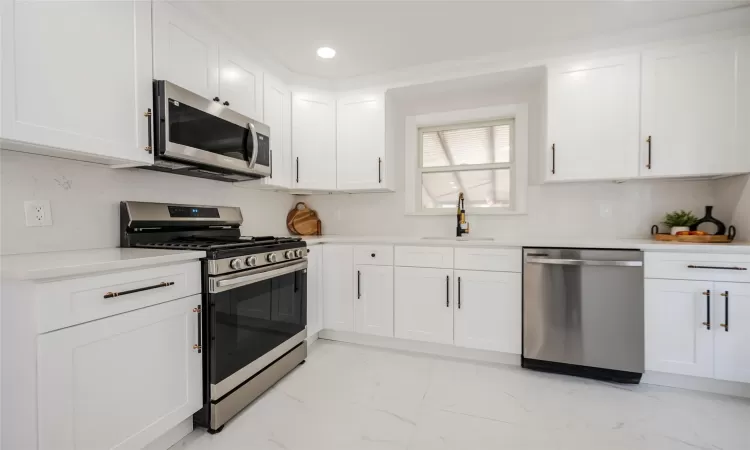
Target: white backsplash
(85,201)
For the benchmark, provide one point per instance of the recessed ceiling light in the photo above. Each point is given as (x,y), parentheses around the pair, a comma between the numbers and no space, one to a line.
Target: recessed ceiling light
(326,52)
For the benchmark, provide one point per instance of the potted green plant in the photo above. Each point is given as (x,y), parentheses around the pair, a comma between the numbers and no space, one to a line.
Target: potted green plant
(679,221)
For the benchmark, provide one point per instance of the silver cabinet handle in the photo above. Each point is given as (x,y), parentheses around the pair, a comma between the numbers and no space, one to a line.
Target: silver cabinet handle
(583,262)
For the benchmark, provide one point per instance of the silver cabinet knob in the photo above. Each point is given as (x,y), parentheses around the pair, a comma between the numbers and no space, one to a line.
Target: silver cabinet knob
(251,261)
(271,257)
(289,254)
(235,264)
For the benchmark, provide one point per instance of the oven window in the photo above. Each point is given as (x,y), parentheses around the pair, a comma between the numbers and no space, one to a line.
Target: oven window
(198,129)
(251,320)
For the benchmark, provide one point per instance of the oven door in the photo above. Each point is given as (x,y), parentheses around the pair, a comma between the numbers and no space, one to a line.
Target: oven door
(193,129)
(255,318)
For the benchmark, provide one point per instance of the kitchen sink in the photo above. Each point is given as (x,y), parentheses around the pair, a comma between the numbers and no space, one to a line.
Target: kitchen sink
(463,238)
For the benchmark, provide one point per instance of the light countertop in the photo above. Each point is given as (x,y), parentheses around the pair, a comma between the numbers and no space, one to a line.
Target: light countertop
(636,244)
(37,266)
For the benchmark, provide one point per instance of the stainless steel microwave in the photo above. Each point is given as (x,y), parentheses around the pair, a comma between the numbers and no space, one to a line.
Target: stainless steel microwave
(199,137)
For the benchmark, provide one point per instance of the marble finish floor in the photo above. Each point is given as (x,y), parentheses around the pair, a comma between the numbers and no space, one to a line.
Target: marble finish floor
(354,397)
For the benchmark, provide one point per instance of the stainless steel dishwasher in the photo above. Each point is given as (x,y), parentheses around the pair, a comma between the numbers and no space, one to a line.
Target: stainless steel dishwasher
(583,312)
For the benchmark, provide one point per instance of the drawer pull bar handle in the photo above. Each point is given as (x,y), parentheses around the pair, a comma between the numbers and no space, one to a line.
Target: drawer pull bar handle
(133,291)
(691,266)
(707,323)
(725,325)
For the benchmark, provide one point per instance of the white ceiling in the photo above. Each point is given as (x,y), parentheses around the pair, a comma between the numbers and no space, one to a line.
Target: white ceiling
(374,37)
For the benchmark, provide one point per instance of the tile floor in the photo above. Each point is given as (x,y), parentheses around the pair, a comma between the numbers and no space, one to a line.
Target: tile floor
(353,397)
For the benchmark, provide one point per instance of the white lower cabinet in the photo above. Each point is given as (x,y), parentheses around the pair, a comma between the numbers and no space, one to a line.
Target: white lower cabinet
(423,304)
(338,287)
(119,382)
(487,314)
(677,341)
(374,302)
(314,290)
(698,328)
(732,344)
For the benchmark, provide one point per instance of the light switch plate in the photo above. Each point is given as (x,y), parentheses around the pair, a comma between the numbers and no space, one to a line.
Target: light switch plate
(38,213)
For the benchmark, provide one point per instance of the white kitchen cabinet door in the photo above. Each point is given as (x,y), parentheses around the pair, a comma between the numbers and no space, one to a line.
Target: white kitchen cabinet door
(313,141)
(677,341)
(338,287)
(423,304)
(374,300)
(81,80)
(119,382)
(240,83)
(360,141)
(314,290)
(487,313)
(593,119)
(689,115)
(732,332)
(277,114)
(185,52)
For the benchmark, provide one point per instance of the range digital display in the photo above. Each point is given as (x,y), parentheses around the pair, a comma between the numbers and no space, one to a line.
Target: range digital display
(193,211)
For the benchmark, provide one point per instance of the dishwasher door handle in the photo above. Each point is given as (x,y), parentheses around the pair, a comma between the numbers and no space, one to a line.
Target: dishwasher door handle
(583,262)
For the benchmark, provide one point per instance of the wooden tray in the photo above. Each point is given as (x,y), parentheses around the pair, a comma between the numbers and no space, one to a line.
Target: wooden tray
(706,239)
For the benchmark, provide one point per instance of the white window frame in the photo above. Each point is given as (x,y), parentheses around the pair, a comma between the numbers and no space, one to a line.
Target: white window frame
(456,119)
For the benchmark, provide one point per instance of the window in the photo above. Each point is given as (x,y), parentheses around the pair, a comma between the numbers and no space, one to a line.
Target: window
(474,158)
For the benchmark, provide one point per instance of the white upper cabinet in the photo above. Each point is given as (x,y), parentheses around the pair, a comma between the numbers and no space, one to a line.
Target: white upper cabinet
(185,53)
(593,119)
(77,79)
(487,310)
(360,144)
(313,141)
(338,287)
(122,381)
(374,300)
(732,331)
(690,109)
(277,114)
(423,304)
(240,83)
(678,339)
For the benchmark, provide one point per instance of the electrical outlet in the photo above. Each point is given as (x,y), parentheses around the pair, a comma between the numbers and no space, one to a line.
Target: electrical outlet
(38,213)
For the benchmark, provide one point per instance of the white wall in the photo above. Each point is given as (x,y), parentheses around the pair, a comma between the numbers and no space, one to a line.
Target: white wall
(85,201)
(601,209)
(733,204)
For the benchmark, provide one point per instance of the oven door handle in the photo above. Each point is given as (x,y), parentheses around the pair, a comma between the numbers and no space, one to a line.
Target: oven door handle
(254,134)
(223,284)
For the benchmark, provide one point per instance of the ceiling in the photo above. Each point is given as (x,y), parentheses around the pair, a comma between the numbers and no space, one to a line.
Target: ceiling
(375,37)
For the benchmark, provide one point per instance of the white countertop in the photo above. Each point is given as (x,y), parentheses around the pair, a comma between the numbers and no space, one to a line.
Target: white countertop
(636,244)
(37,266)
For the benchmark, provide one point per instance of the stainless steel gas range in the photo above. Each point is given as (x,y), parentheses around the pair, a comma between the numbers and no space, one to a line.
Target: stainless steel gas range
(254,309)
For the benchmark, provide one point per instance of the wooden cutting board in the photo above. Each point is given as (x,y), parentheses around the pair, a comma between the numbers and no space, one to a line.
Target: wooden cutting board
(303,221)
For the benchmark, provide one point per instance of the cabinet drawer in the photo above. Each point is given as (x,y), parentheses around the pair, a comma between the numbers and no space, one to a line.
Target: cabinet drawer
(374,255)
(439,257)
(491,259)
(697,266)
(69,302)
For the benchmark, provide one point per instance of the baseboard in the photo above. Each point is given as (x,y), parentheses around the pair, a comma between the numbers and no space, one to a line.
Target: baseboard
(429,348)
(697,384)
(312,337)
(172,436)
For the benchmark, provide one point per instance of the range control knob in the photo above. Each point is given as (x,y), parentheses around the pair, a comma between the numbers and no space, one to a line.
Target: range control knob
(271,257)
(289,254)
(298,253)
(235,264)
(250,261)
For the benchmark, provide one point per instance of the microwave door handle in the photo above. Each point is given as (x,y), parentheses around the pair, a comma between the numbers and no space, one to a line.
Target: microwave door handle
(254,134)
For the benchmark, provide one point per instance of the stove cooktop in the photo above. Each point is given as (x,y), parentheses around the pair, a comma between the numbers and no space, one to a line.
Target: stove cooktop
(219,243)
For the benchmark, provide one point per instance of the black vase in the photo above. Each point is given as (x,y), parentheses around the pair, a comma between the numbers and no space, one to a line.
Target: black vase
(720,228)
